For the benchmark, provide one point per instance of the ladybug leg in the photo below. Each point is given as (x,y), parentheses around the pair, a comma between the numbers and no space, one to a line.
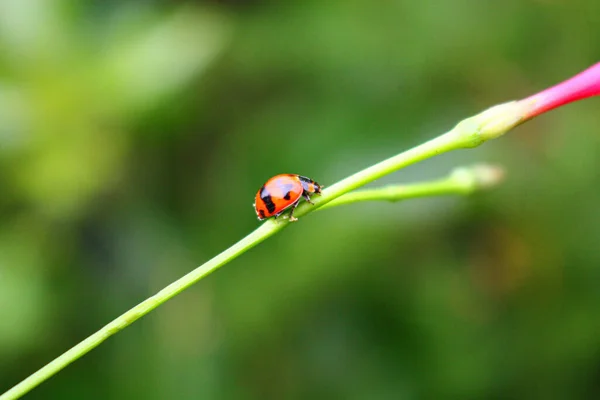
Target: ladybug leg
(278,214)
(292,218)
(307,197)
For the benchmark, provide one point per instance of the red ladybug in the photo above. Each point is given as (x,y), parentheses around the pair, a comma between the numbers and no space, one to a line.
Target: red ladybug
(281,192)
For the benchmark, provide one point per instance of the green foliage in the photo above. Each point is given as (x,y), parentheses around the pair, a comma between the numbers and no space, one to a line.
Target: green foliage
(133,137)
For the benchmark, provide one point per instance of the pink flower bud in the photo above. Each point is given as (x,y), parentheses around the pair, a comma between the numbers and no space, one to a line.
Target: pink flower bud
(583,85)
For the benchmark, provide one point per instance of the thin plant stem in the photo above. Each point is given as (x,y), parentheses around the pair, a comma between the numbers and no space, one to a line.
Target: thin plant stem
(461,181)
(266,230)
(471,132)
(468,133)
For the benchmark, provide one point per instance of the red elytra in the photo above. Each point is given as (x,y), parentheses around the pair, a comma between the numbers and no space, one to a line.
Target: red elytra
(282,192)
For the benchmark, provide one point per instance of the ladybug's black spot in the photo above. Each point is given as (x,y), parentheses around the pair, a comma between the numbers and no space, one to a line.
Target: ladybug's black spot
(287,196)
(261,214)
(269,203)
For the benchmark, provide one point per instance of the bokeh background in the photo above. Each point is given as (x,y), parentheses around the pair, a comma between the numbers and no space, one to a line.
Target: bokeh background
(134,135)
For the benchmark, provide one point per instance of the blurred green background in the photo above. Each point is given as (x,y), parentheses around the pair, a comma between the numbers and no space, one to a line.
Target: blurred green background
(134,135)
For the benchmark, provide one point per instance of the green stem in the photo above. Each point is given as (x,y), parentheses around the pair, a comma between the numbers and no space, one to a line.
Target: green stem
(451,140)
(266,230)
(468,133)
(461,181)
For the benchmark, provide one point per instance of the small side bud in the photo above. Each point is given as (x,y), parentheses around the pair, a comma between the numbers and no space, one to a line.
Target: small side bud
(478,177)
(487,176)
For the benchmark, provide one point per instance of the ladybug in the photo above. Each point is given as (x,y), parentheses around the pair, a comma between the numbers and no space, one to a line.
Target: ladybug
(281,192)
